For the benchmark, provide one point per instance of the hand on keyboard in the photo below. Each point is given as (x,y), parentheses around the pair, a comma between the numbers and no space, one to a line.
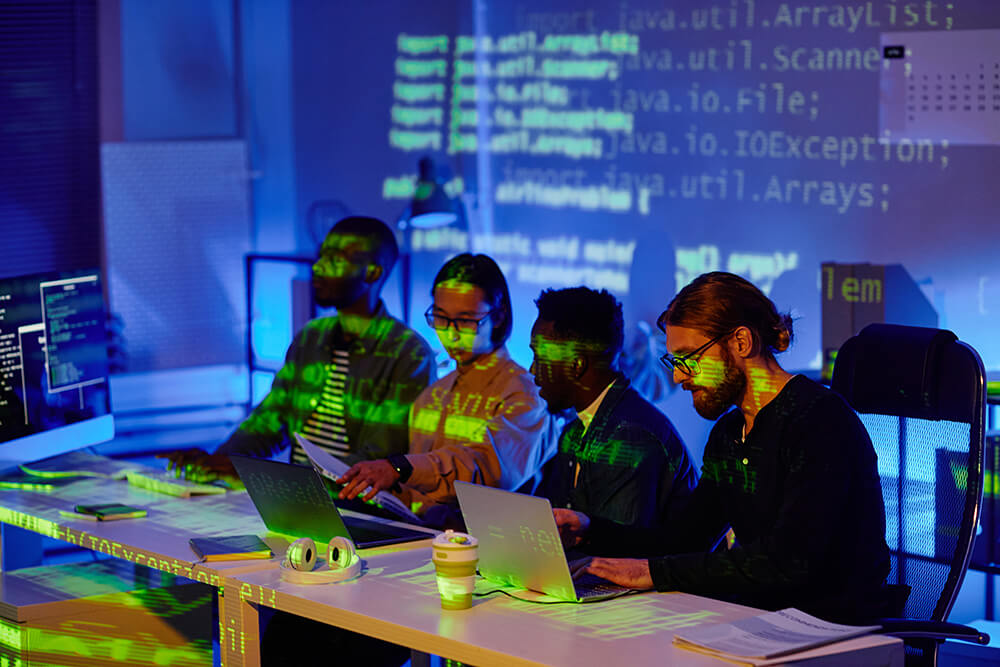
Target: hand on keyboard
(199,466)
(629,572)
(572,525)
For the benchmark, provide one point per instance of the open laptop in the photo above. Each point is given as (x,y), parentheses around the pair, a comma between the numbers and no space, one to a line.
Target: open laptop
(519,545)
(293,500)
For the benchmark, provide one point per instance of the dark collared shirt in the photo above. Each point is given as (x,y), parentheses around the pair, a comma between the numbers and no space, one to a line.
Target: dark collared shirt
(389,366)
(630,466)
(802,494)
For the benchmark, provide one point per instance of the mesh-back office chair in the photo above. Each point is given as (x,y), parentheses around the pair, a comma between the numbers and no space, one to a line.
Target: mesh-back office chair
(921,394)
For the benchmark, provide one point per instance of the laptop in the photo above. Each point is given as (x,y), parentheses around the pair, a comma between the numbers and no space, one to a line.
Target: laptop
(519,545)
(293,500)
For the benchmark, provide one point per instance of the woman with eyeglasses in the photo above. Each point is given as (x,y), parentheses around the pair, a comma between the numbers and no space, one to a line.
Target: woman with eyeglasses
(484,422)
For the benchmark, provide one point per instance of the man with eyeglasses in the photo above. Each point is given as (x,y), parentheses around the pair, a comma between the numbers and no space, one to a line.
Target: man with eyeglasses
(348,380)
(620,459)
(791,470)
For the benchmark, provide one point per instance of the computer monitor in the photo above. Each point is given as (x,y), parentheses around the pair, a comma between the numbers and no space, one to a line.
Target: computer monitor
(54,393)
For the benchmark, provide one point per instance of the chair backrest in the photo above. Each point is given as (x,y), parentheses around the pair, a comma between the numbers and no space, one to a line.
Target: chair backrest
(921,394)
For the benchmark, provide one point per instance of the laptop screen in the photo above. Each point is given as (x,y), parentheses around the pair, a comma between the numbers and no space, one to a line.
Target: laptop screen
(518,539)
(293,500)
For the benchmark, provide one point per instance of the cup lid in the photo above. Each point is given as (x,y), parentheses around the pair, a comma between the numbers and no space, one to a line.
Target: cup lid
(451,539)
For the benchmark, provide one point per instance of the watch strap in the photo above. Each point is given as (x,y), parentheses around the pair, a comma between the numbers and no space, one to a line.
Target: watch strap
(402,466)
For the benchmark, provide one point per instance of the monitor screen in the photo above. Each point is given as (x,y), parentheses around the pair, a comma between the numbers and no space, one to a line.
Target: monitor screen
(54,394)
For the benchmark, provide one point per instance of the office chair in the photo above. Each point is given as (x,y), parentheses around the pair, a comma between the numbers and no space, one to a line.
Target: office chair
(921,394)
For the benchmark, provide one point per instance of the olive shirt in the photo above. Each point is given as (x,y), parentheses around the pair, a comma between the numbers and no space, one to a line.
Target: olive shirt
(390,365)
(802,494)
(483,423)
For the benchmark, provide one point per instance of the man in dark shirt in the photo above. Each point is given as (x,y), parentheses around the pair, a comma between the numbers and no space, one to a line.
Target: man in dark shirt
(621,459)
(791,470)
(349,380)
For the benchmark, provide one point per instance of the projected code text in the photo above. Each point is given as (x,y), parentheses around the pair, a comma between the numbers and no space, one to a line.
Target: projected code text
(75,349)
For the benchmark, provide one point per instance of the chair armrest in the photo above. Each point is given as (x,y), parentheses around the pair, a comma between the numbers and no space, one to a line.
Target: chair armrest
(906,628)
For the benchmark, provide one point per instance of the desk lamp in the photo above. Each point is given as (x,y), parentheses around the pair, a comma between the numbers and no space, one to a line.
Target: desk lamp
(431,207)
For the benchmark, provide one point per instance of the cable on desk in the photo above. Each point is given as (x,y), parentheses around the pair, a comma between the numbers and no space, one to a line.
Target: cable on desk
(514,597)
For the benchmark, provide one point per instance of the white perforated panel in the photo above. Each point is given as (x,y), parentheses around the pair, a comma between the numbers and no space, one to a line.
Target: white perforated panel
(177,225)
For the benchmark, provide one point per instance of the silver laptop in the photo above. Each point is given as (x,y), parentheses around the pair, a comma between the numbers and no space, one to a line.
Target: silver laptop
(519,545)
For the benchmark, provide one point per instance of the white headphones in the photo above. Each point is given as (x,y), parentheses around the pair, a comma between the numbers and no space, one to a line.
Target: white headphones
(299,566)
(340,553)
(301,555)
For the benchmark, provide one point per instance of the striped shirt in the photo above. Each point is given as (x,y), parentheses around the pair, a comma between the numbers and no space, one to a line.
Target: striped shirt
(386,368)
(327,426)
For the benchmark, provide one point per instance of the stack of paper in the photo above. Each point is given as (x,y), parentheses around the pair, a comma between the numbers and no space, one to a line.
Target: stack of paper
(766,639)
(333,468)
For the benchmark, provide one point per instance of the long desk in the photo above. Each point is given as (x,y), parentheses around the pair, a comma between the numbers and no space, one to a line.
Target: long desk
(159,540)
(396,599)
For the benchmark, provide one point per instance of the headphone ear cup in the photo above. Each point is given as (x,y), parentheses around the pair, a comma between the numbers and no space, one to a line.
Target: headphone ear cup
(340,553)
(301,554)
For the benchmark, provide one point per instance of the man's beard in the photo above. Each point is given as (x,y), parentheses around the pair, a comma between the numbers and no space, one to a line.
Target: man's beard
(337,292)
(712,402)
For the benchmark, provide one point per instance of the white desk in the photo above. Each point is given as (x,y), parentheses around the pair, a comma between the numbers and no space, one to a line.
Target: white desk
(397,600)
(159,540)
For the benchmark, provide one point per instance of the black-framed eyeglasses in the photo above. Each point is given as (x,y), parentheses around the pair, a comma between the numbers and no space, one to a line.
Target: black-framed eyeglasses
(688,363)
(462,324)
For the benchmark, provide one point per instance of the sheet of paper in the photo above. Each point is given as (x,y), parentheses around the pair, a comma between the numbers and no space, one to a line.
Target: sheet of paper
(768,635)
(330,466)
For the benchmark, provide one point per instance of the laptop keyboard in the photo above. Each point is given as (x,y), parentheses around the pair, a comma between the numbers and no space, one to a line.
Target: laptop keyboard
(364,531)
(590,586)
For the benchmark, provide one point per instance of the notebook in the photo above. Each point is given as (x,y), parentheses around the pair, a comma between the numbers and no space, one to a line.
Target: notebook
(229,547)
(519,545)
(293,500)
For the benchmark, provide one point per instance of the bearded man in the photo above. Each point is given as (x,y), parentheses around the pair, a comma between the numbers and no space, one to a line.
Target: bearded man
(788,467)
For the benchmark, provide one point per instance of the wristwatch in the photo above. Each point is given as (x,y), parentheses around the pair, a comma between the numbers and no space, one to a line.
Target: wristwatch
(402,467)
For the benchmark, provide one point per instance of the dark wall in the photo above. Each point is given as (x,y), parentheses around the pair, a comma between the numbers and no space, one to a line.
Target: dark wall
(712,164)
(49,162)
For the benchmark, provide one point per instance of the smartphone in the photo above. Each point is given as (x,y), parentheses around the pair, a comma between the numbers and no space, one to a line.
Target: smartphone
(107,512)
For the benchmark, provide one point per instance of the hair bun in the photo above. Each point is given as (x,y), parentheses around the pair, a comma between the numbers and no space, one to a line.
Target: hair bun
(783,332)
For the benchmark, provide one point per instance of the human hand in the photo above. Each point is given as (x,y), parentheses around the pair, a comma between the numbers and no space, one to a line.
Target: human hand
(198,465)
(572,526)
(379,475)
(628,572)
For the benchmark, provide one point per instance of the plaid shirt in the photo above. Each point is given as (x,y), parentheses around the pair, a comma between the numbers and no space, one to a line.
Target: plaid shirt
(389,366)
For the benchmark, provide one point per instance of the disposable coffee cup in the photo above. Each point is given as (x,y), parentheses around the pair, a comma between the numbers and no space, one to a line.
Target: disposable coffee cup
(455,556)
